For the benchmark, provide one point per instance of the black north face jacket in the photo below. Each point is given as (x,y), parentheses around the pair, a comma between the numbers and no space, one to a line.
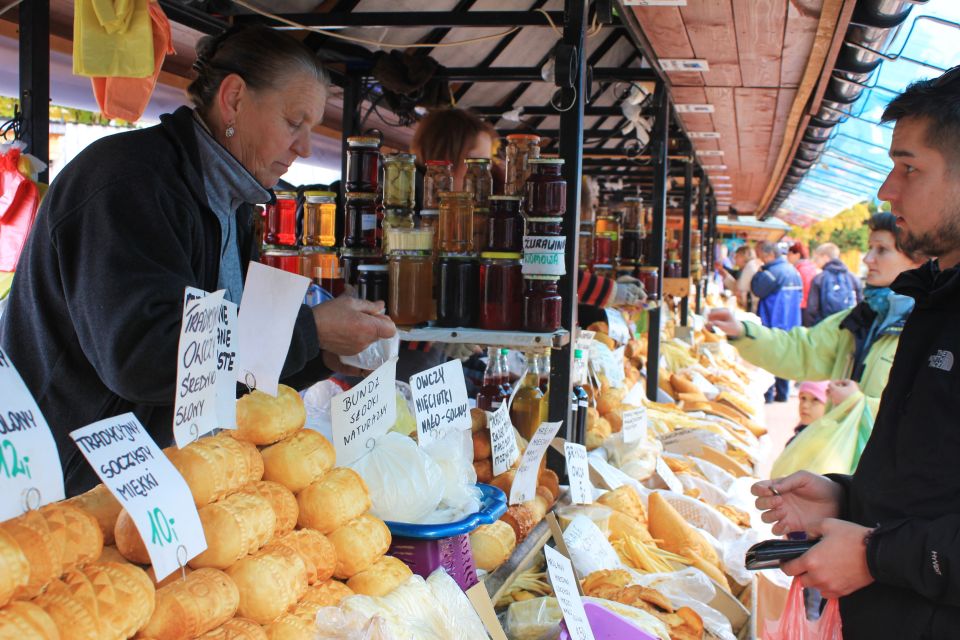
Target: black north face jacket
(908,480)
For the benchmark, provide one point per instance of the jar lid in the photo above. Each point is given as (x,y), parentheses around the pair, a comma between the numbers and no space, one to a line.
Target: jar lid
(542,277)
(477,160)
(550,219)
(647,269)
(633,199)
(360,253)
(545,161)
(439,163)
(360,195)
(372,267)
(586,233)
(363,141)
(319,194)
(507,198)
(501,255)
(454,255)
(456,194)
(281,252)
(429,212)
(419,253)
(523,137)
(399,157)
(603,266)
(310,249)
(285,194)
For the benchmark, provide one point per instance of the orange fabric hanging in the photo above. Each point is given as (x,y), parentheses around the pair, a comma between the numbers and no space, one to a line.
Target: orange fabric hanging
(19,200)
(127,98)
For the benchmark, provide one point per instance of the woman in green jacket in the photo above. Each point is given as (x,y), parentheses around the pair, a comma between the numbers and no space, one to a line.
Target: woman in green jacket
(853,348)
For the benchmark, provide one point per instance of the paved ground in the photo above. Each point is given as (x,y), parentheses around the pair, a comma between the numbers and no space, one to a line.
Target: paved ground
(782,418)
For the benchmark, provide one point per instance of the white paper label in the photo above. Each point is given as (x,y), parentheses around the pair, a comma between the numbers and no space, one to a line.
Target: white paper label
(669,477)
(619,331)
(635,425)
(226,359)
(589,549)
(362,415)
(368,222)
(581,491)
(691,441)
(30,472)
(544,255)
(525,482)
(268,312)
(503,442)
(637,394)
(440,401)
(195,401)
(611,476)
(568,597)
(148,486)
(584,338)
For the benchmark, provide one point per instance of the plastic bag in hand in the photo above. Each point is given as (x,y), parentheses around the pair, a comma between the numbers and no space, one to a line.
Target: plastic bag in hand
(793,624)
(375,354)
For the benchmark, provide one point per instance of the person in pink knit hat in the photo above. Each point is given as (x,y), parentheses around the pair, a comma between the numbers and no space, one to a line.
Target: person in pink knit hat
(813,404)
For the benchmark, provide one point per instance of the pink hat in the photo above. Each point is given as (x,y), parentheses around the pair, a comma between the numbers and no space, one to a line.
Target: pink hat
(817,389)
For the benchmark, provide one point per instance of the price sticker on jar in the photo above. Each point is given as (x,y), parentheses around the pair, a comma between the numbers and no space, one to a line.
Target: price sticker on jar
(578,472)
(544,255)
(524,486)
(568,596)
(30,471)
(148,487)
(503,441)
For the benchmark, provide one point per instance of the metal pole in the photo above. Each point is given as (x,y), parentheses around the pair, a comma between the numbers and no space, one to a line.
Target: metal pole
(659,140)
(571,150)
(685,240)
(351,127)
(701,197)
(35,79)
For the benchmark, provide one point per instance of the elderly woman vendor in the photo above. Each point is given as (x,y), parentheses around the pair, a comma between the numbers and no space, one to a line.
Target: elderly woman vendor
(94,315)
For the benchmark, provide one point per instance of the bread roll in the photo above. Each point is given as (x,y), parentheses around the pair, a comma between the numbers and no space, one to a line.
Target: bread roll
(26,621)
(548,478)
(281,499)
(187,608)
(111,554)
(128,540)
(78,532)
(384,576)
(504,481)
(269,583)
(299,624)
(103,506)
(521,520)
(125,596)
(74,614)
(45,557)
(481,444)
(319,556)
(359,544)
(327,594)
(236,629)
(609,400)
(484,470)
(14,568)
(625,500)
(234,527)
(337,498)
(674,534)
(492,544)
(216,466)
(264,419)
(478,419)
(298,460)
(723,461)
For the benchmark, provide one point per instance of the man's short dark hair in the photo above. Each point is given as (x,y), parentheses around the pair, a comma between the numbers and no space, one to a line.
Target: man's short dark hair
(938,102)
(769,248)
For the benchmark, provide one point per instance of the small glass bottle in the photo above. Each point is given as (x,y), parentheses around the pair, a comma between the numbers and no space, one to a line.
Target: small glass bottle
(437,179)
(521,148)
(360,221)
(282,220)
(541,304)
(373,282)
(545,189)
(505,224)
(398,181)
(459,278)
(478,181)
(363,164)
(501,291)
(649,276)
(456,222)
(525,410)
(319,219)
(491,395)
(580,399)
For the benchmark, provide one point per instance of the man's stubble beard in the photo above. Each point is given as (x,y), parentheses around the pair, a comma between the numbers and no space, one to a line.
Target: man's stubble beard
(942,240)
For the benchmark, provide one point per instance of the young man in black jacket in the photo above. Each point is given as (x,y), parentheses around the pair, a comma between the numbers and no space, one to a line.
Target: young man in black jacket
(890,533)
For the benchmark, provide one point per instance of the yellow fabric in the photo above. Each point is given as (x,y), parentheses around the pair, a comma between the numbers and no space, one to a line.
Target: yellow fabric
(112,38)
(6,279)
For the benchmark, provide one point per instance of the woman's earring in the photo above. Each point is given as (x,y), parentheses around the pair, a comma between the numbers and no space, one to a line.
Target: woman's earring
(230,131)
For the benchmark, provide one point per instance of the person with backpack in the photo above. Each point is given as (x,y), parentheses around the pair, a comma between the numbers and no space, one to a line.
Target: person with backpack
(833,289)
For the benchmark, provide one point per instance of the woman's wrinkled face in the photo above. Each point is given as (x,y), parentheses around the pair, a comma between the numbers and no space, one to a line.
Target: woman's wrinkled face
(884,262)
(273,125)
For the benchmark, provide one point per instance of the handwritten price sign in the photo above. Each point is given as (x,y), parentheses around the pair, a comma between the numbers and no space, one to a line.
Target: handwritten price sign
(362,415)
(568,596)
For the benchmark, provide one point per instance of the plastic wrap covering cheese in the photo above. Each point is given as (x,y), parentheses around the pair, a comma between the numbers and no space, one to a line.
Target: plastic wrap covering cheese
(603,361)
(689,588)
(539,619)
(636,459)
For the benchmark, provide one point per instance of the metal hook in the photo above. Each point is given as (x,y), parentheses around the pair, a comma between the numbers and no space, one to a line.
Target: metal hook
(559,92)
(250,381)
(28,504)
(182,562)
(194,432)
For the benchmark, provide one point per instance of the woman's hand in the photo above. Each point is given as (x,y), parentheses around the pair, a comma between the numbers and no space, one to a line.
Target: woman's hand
(799,502)
(347,325)
(840,390)
(723,319)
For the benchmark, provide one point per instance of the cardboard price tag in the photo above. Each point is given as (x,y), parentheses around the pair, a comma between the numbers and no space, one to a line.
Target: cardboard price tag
(362,415)
(503,441)
(268,312)
(226,359)
(635,425)
(619,331)
(544,255)
(581,491)
(564,587)
(30,472)
(525,482)
(440,402)
(148,486)
(669,477)
(195,400)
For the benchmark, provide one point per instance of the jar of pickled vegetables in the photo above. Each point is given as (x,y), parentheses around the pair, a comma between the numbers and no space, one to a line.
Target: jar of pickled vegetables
(438,179)
(398,181)
(521,148)
(478,181)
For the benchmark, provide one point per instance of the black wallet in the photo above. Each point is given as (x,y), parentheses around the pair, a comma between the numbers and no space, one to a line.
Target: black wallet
(770,553)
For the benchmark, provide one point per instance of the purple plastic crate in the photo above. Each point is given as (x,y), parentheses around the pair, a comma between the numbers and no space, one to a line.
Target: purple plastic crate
(425,556)
(607,626)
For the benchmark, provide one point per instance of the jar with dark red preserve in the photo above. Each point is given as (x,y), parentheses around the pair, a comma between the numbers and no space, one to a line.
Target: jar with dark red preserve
(285,259)
(505,224)
(650,277)
(631,246)
(603,248)
(501,291)
(373,282)
(350,259)
(360,221)
(363,164)
(541,304)
(457,300)
(545,189)
(543,227)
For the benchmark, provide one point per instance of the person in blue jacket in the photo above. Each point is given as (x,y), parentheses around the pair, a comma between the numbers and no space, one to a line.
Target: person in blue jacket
(779,288)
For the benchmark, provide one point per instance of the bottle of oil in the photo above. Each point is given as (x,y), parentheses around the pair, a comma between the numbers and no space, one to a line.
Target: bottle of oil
(490,396)
(525,411)
(544,359)
(506,384)
(579,400)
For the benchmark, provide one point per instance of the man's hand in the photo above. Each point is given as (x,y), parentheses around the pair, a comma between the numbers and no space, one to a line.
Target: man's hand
(629,292)
(723,319)
(347,325)
(840,390)
(837,565)
(799,502)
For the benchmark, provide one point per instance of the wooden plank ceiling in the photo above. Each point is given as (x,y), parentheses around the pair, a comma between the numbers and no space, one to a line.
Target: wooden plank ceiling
(757,51)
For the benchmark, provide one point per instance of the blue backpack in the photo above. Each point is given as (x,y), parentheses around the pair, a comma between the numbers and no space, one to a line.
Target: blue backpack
(836,293)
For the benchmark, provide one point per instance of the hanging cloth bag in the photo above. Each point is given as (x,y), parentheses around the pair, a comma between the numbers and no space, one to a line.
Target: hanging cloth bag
(19,200)
(112,38)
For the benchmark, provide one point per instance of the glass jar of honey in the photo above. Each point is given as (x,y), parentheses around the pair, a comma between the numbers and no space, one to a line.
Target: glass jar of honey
(360,221)
(319,219)
(363,164)
(545,188)
(323,268)
(398,181)
(501,291)
(505,224)
(281,228)
(541,304)
(411,287)
(457,303)
(521,148)
(478,181)
(438,178)
(456,222)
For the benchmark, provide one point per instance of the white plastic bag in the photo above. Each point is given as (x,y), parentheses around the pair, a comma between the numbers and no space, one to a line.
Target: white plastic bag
(375,354)
(690,588)
(316,400)
(636,459)
(453,455)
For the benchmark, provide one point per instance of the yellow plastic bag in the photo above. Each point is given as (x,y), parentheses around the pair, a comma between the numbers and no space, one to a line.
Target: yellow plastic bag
(832,444)
(112,38)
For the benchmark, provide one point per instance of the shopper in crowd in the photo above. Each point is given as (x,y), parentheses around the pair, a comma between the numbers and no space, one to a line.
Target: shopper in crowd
(453,135)
(779,289)
(833,289)
(738,281)
(854,347)
(812,406)
(94,317)
(889,533)
(799,256)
